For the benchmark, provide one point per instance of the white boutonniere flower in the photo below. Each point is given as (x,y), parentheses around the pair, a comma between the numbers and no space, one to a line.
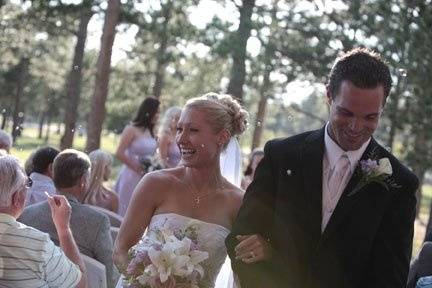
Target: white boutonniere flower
(378,171)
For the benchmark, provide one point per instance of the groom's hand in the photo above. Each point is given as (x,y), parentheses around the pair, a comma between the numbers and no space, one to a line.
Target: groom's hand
(252,248)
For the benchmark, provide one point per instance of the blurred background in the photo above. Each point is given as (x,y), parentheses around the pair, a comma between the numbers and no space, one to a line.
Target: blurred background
(72,73)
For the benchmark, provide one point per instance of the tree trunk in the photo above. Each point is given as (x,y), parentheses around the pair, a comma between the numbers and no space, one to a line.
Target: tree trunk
(42,117)
(17,113)
(74,83)
(161,53)
(48,128)
(238,69)
(4,121)
(262,106)
(394,113)
(94,127)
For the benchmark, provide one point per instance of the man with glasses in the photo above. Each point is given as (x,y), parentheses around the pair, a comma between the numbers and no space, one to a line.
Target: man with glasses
(28,258)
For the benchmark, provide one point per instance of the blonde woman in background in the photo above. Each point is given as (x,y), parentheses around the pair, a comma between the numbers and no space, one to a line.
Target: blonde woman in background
(97,194)
(168,150)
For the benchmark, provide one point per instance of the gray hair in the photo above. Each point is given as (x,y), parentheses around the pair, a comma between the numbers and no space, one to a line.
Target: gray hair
(5,140)
(12,178)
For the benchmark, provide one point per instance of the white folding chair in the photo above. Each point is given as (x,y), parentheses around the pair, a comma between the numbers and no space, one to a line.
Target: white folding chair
(114,218)
(96,274)
(114,231)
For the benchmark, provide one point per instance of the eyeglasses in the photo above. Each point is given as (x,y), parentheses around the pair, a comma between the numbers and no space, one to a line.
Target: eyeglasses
(29,183)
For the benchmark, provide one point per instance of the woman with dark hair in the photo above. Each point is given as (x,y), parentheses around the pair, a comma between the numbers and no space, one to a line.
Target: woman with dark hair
(137,144)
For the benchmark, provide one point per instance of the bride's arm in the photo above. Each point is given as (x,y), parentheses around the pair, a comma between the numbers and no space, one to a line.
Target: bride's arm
(145,200)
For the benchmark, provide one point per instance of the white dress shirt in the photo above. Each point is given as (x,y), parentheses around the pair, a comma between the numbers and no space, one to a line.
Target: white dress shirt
(332,153)
(41,184)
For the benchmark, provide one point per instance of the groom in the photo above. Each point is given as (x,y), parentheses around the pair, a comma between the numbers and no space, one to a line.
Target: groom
(332,217)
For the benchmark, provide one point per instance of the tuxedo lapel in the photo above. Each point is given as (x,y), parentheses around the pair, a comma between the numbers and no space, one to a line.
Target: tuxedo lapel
(311,158)
(346,200)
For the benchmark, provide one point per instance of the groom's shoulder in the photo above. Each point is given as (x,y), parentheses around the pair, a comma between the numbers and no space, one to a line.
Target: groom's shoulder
(288,143)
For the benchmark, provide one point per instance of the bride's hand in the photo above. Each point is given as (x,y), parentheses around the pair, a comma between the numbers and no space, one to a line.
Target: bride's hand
(252,248)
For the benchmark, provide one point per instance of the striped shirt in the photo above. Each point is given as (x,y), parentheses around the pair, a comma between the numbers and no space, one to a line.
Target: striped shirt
(28,258)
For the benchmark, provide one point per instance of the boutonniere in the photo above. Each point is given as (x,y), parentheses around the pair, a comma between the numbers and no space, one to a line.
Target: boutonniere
(378,171)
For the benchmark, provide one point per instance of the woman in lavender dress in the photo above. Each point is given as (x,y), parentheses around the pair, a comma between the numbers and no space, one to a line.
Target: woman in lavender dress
(136,143)
(168,149)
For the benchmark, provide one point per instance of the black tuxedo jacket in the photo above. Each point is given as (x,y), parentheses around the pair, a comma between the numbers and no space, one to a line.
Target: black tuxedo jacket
(367,242)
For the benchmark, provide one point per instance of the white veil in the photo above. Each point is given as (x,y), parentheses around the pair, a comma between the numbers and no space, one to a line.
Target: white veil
(231,162)
(231,169)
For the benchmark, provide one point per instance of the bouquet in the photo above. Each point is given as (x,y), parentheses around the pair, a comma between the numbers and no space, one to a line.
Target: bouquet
(150,164)
(166,258)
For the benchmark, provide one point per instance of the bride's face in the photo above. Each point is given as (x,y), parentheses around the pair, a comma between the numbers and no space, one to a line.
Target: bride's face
(196,139)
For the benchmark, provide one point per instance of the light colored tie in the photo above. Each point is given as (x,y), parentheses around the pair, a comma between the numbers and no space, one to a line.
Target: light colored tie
(336,178)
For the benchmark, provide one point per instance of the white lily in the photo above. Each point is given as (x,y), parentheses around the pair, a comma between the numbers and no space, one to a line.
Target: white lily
(167,262)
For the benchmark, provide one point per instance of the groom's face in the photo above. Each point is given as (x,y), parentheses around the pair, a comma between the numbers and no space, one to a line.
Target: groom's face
(354,114)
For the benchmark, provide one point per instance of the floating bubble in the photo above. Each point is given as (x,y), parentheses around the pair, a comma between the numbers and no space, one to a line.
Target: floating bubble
(202,145)
(76,67)
(20,114)
(3,111)
(259,123)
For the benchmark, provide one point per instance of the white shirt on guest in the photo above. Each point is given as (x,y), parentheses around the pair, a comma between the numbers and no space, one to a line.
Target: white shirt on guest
(30,259)
(332,153)
(41,183)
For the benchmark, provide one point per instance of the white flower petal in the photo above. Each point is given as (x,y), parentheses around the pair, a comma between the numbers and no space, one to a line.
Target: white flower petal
(384,166)
(198,256)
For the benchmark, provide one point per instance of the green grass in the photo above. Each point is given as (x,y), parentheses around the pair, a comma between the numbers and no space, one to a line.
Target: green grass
(28,142)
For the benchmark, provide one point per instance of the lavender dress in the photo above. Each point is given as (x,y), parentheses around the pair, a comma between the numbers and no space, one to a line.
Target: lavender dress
(174,155)
(141,147)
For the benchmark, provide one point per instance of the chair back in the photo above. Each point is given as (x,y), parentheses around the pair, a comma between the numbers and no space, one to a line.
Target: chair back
(96,274)
(114,218)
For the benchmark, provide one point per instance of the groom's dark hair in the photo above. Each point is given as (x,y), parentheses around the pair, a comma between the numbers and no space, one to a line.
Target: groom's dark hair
(363,68)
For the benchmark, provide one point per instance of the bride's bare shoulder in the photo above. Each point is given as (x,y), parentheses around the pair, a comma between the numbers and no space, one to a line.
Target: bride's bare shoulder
(235,194)
(162,178)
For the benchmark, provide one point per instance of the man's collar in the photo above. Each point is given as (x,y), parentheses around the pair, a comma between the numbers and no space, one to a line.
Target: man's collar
(35,176)
(334,152)
(71,198)
(7,218)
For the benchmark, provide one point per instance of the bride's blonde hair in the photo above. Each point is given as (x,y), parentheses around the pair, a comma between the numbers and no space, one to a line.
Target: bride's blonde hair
(222,111)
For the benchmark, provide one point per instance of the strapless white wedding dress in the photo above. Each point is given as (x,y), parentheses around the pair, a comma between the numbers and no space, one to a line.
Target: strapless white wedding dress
(210,238)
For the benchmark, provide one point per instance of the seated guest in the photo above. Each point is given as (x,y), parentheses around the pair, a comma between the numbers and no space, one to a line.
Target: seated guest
(254,159)
(5,141)
(421,266)
(91,229)
(28,257)
(97,194)
(42,175)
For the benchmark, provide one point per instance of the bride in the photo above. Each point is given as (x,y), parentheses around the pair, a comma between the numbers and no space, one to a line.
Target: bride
(195,191)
